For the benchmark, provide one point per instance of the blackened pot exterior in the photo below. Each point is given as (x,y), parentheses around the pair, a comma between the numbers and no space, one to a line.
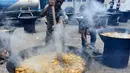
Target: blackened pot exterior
(116,50)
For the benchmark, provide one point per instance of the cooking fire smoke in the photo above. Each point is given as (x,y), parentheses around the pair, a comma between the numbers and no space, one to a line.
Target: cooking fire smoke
(58,34)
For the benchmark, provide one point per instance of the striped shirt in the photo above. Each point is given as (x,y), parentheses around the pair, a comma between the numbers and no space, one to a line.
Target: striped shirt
(59,13)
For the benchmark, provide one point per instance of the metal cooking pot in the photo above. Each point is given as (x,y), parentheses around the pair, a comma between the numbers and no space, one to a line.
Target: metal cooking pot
(116,50)
(24,54)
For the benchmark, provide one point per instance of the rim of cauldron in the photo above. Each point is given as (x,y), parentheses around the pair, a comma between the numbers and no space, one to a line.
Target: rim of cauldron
(11,65)
(113,13)
(28,17)
(112,29)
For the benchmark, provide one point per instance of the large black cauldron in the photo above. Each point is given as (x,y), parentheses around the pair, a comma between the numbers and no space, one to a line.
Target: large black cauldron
(113,18)
(125,16)
(25,54)
(28,21)
(116,50)
(100,20)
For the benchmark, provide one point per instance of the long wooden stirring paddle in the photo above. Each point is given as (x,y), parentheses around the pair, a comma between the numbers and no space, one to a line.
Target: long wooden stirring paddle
(59,54)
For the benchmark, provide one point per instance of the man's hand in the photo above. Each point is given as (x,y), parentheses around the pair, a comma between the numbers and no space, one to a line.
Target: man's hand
(51,2)
(60,20)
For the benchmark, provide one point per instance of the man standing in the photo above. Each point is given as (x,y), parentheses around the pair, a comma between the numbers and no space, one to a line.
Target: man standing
(85,27)
(59,14)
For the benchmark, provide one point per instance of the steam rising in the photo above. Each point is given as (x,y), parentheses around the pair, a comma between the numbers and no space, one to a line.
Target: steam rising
(5,35)
(58,38)
(4,41)
(92,7)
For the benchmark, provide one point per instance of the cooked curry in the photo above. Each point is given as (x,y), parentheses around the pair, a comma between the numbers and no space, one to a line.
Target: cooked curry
(44,64)
(116,34)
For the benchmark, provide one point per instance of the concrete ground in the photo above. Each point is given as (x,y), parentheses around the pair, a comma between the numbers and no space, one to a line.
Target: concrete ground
(21,40)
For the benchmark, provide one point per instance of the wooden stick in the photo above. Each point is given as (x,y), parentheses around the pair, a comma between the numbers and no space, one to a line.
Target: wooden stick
(53,13)
(59,54)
